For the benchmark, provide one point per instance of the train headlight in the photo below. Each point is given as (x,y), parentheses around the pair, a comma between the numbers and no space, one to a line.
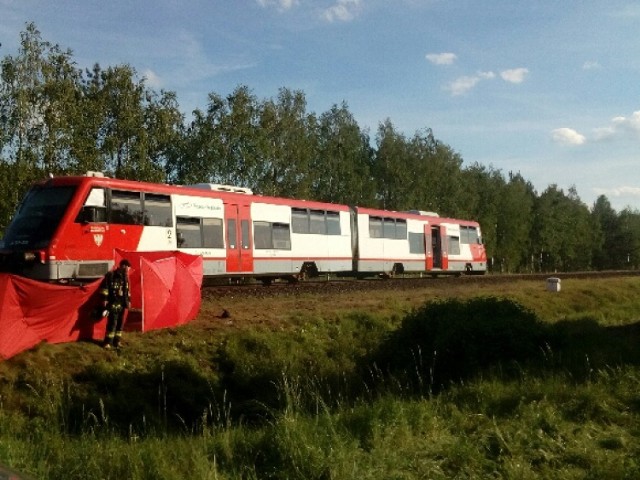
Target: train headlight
(29,256)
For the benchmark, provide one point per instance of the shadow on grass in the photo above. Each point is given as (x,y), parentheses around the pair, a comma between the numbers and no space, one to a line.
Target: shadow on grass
(173,396)
(453,340)
(442,343)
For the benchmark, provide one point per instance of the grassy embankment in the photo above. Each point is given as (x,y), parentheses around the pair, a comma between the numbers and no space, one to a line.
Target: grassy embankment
(530,384)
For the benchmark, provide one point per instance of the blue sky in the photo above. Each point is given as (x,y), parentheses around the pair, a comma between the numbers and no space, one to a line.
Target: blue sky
(546,88)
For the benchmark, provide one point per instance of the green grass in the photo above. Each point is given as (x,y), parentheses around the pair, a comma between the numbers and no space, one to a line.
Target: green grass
(528,384)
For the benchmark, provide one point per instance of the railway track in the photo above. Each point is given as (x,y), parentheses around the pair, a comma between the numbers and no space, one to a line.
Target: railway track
(338,285)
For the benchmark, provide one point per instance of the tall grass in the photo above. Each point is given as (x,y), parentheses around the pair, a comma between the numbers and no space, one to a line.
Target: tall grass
(524,428)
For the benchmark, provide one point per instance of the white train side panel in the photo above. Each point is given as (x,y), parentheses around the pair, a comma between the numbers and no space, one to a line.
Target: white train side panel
(290,249)
(191,214)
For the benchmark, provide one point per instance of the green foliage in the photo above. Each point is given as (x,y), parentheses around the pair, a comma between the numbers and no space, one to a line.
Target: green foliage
(514,224)
(341,168)
(57,119)
(563,231)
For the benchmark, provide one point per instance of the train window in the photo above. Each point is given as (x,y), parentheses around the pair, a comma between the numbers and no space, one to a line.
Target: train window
(469,235)
(464,234)
(319,222)
(333,223)
(244,226)
(157,210)
(316,222)
(299,220)
(38,217)
(389,228)
(281,236)
(262,235)
(96,198)
(375,227)
(401,229)
(213,233)
(94,209)
(232,234)
(394,228)
(454,245)
(416,243)
(126,208)
(271,236)
(195,232)
(92,215)
(189,232)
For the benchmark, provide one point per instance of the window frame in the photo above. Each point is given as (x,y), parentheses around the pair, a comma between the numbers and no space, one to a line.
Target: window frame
(315,221)
(126,197)
(203,226)
(162,215)
(271,235)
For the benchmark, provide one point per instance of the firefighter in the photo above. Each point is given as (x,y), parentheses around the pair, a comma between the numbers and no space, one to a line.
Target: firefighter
(115,291)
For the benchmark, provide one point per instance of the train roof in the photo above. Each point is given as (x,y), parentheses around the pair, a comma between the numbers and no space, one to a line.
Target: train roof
(224,192)
(414,214)
(238,195)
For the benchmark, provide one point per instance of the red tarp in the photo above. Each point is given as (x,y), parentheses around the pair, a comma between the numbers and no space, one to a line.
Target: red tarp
(165,288)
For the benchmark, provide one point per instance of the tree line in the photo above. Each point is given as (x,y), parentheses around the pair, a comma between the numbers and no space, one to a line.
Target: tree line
(58,119)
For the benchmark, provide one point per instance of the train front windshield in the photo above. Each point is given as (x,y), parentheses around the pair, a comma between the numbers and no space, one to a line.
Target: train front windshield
(38,217)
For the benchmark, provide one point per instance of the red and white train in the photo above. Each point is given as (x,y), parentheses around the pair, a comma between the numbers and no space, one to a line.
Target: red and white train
(68,228)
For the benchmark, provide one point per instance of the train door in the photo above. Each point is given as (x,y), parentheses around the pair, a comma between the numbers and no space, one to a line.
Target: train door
(444,248)
(238,238)
(436,247)
(428,247)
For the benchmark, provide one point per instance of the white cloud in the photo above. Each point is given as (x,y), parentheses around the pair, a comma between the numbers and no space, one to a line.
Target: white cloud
(152,79)
(619,127)
(591,65)
(567,136)
(279,4)
(462,85)
(192,64)
(628,11)
(441,58)
(342,11)
(515,75)
(630,124)
(623,191)
(603,133)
